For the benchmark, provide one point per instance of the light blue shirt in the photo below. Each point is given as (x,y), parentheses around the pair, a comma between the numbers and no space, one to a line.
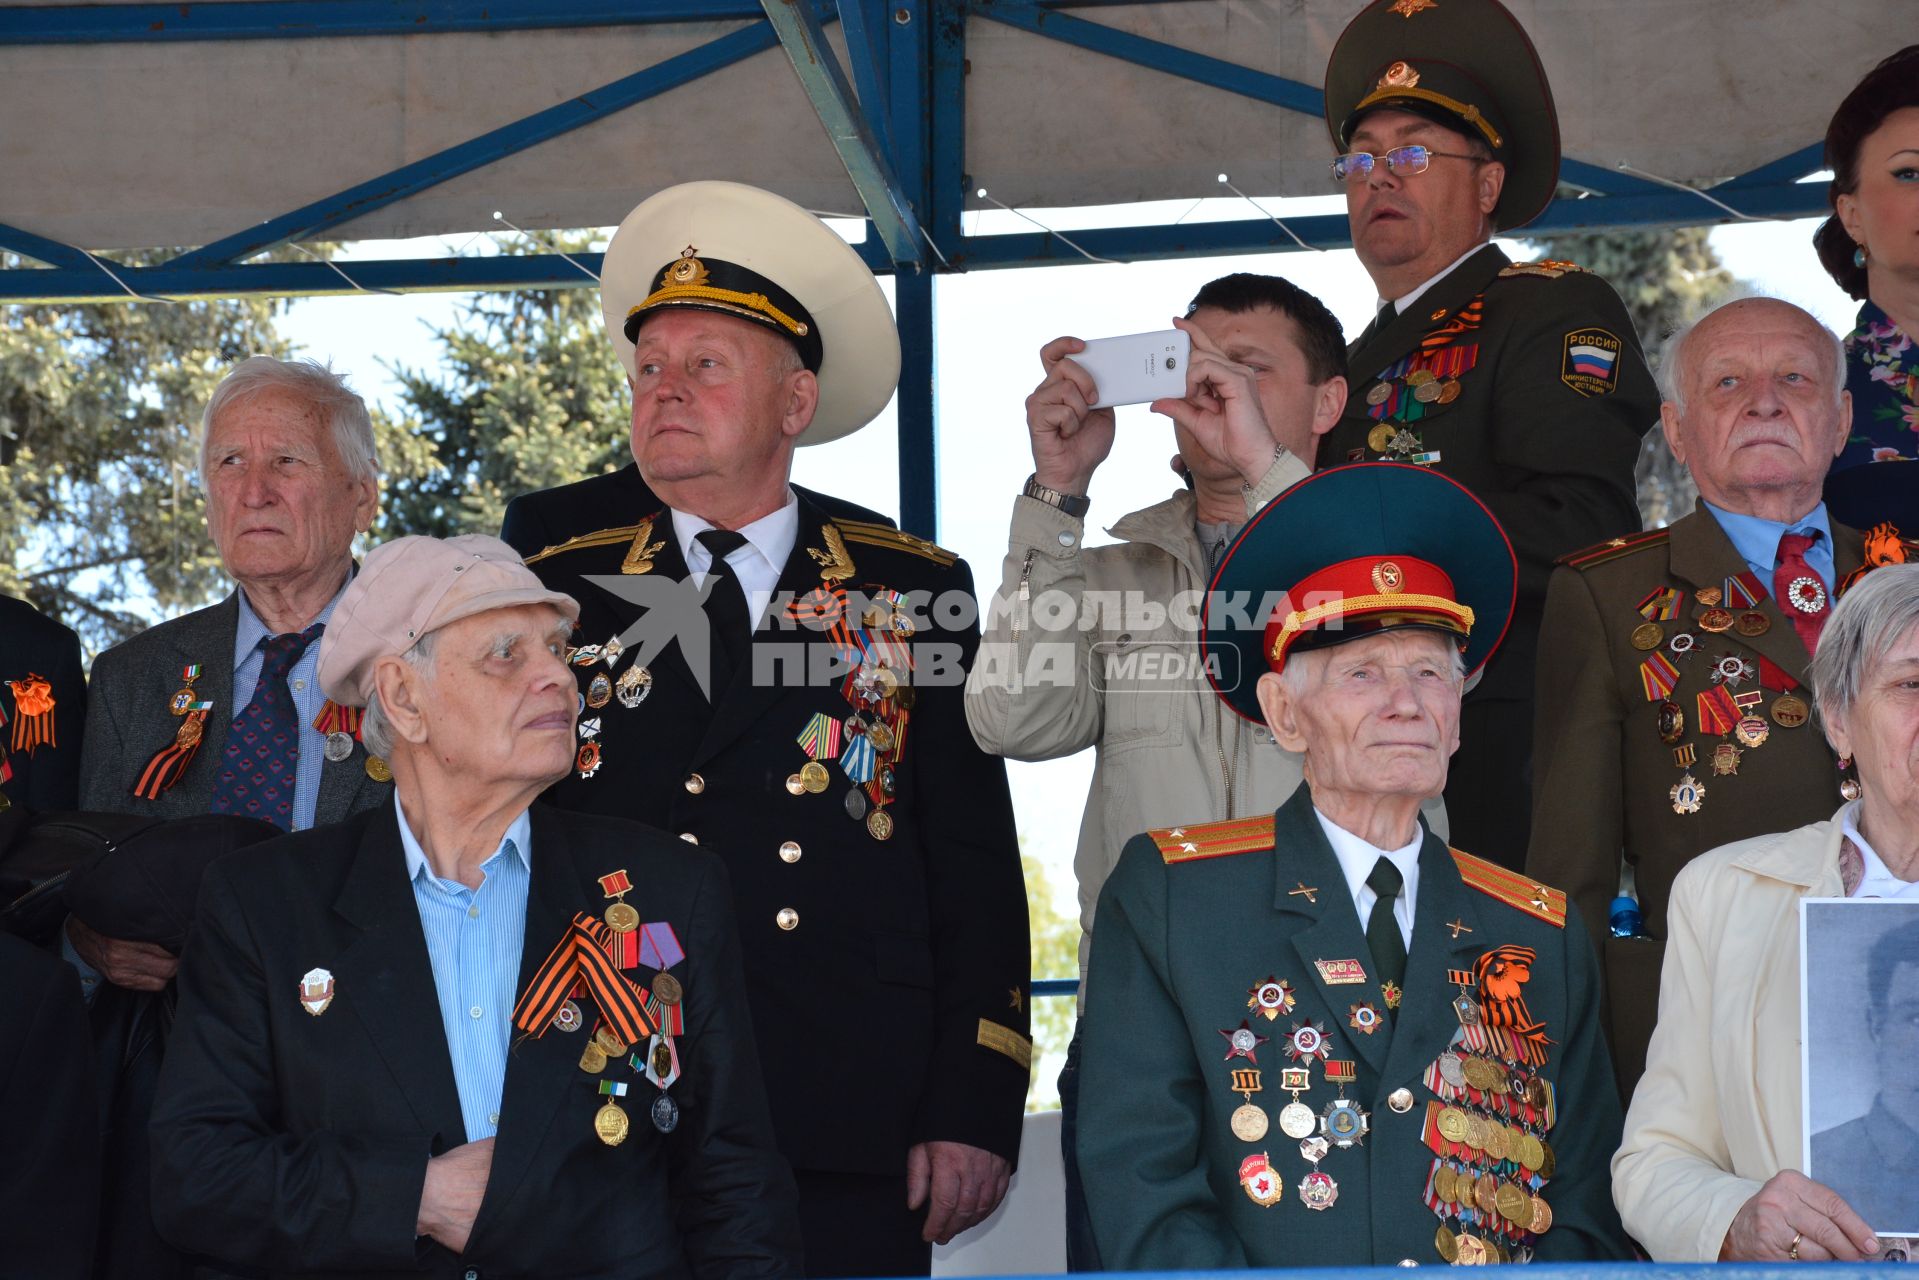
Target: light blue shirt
(473,938)
(1757,542)
(307,700)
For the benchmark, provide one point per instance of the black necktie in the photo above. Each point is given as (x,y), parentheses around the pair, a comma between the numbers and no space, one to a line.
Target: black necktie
(1387,314)
(725,608)
(1382,931)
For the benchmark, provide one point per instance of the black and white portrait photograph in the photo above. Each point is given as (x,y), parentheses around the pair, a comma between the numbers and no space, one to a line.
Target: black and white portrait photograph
(1860,1044)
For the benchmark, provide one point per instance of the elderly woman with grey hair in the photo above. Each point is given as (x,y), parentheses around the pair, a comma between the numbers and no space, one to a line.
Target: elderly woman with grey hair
(1709,1167)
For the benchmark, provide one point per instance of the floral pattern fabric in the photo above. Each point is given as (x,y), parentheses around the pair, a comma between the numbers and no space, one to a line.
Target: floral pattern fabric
(1882,372)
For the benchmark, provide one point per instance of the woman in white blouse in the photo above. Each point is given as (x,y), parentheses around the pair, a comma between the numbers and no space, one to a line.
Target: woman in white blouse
(1709,1167)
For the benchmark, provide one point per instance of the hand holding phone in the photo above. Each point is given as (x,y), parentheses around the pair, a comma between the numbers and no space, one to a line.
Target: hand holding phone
(1136,368)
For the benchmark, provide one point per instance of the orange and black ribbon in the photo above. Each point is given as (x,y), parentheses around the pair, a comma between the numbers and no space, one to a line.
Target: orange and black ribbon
(1501,973)
(581,957)
(32,713)
(169,764)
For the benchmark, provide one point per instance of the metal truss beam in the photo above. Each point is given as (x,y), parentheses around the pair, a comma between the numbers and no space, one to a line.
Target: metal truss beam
(87,283)
(840,113)
(41,249)
(408,180)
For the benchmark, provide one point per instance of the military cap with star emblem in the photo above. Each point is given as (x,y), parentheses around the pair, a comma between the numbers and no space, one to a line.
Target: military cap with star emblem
(736,250)
(1464,64)
(1358,550)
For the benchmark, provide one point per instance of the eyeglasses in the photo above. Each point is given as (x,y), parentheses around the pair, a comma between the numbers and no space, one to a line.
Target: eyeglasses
(1401,162)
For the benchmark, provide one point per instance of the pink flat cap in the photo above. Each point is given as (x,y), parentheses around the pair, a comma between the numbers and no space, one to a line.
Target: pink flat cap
(411,586)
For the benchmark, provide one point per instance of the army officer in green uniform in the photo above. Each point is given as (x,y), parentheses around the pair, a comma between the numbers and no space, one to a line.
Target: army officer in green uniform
(1524,382)
(1323,1038)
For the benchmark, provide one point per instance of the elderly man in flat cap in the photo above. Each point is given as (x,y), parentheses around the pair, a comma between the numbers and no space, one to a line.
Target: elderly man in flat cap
(782,684)
(1321,1037)
(1522,381)
(408,1044)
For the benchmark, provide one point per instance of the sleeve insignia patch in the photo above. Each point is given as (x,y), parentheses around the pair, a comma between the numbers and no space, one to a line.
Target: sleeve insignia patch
(1590,363)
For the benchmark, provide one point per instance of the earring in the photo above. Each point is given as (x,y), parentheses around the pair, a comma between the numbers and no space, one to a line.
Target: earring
(1859,256)
(1845,763)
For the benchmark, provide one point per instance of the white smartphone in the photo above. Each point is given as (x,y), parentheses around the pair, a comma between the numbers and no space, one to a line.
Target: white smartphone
(1138,367)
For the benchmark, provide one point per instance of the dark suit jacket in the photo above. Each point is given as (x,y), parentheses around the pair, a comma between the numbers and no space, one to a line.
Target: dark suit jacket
(1873,1163)
(128,721)
(50,1173)
(48,778)
(1554,465)
(1180,942)
(299,1143)
(536,521)
(916,944)
(1604,777)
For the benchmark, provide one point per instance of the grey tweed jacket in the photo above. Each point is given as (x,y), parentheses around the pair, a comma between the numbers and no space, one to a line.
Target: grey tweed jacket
(128,721)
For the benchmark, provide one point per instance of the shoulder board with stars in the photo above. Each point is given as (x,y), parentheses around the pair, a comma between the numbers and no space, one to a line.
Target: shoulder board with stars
(1214,839)
(1614,548)
(1547,268)
(884,535)
(1522,893)
(598,538)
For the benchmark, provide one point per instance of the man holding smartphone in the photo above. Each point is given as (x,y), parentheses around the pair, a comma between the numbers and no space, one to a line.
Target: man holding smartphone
(1120,670)
(1525,382)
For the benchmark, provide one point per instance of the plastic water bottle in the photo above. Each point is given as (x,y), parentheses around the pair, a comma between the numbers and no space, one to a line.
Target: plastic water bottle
(1625,919)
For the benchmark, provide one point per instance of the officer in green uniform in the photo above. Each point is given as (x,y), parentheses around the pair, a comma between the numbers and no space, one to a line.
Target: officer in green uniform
(1524,382)
(1674,708)
(1323,1038)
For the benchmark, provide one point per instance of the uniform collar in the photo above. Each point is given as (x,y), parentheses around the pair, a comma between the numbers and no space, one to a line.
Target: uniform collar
(771,536)
(1404,301)
(1357,858)
(1757,540)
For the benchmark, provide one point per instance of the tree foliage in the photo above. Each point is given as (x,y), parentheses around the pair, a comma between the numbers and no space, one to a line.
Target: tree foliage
(1666,278)
(525,395)
(101,516)
(1055,935)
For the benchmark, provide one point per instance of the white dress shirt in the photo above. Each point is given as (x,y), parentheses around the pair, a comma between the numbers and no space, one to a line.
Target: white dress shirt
(1877,880)
(1357,859)
(769,541)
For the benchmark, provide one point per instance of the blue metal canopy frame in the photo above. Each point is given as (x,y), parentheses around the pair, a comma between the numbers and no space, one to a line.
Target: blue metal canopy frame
(898,128)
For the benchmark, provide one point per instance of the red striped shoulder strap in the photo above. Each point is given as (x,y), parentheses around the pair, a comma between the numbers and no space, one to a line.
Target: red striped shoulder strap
(1614,548)
(1214,839)
(1522,893)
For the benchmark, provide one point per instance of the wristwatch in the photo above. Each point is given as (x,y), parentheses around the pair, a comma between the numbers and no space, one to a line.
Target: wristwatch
(1075,505)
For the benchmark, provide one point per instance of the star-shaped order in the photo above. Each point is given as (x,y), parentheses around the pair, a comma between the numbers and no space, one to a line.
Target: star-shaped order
(1242,1041)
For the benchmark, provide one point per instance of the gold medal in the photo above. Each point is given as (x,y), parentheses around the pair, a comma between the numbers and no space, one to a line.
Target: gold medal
(1542,1219)
(1478,1072)
(1452,1124)
(1789,711)
(813,777)
(1476,1131)
(1647,636)
(1549,1163)
(1421,377)
(882,738)
(1449,391)
(190,730)
(1532,1155)
(1444,1242)
(592,1058)
(609,1043)
(667,988)
(1495,1143)
(1715,621)
(1249,1123)
(1486,1192)
(1513,1204)
(1725,759)
(377,769)
(1753,623)
(609,1122)
(1471,1252)
(1752,731)
(1445,1184)
(879,824)
(1708,596)
(1380,438)
(621,917)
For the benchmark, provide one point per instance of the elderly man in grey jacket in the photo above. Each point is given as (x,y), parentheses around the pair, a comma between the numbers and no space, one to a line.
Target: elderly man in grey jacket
(1099,647)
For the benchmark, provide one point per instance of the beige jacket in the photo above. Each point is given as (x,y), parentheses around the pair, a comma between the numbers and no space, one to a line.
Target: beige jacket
(1718,1110)
(1081,649)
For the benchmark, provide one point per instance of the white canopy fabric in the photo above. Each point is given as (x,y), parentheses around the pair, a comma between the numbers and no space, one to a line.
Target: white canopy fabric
(152,143)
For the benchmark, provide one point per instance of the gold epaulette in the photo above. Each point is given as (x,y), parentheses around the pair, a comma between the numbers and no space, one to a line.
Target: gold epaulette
(885,535)
(1549,268)
(601,538)
(1214,839)
(1541,901)
(1613,548)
